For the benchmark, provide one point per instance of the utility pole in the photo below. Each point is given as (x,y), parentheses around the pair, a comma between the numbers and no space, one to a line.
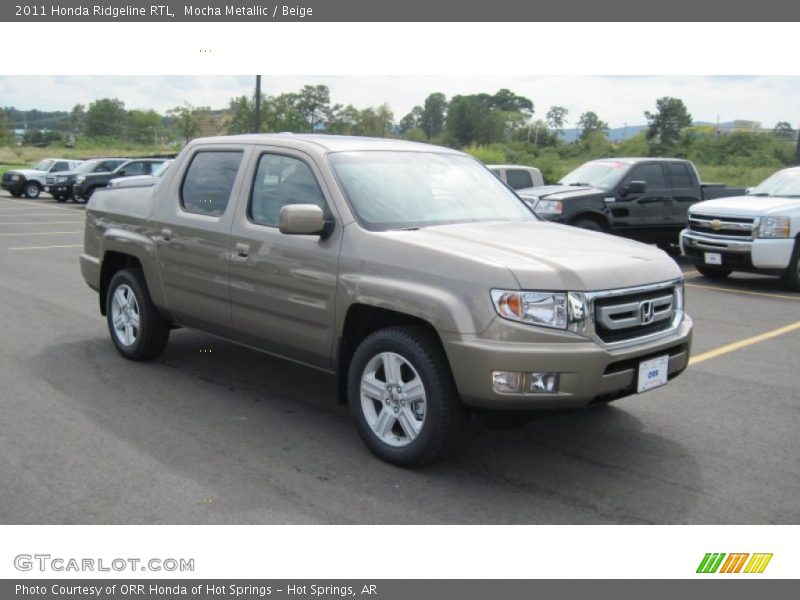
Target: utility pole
(257,119)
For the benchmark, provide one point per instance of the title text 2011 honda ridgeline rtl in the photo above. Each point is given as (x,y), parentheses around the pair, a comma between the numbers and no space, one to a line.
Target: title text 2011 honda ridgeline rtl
(407,269)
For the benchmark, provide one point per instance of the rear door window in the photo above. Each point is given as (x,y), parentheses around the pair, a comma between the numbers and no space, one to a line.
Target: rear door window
(207,185)
(518,179)
(60,166)
(135,168)
(679,175)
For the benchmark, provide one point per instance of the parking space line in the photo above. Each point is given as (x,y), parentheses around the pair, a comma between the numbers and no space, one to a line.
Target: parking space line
(746,292)
(42,233)
(44,222)
(693,272)
(44,247)
(726,349)
(39,206)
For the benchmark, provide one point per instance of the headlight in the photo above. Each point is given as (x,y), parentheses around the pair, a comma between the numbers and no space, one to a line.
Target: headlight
(773,227)
(80,179)
(16,177)
(548,207)
(548,309)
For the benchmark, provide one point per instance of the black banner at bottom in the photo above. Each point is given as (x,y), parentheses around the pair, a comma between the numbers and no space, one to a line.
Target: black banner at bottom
(396,589)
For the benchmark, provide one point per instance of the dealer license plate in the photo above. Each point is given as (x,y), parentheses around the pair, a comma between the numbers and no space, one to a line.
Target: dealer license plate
(652,373)
(713,258)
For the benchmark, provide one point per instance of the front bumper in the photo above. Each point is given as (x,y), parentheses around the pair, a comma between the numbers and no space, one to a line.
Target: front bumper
(588,372)
(78,190)
(15,187)
(760,254)
(59,189)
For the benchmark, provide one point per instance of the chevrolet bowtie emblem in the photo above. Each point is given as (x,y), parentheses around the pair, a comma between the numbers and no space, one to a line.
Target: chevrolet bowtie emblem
(716,224)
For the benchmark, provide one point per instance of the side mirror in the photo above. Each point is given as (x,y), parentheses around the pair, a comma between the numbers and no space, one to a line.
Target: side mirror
(634,187)
(304,219)
(749,190)
(121,173)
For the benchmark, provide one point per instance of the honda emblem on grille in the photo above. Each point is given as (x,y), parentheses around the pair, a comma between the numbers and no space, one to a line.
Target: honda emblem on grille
(646,312)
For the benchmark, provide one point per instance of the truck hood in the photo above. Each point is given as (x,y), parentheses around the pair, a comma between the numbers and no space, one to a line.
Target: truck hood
(748,206)
(28,173)
(550,256)
(563,191)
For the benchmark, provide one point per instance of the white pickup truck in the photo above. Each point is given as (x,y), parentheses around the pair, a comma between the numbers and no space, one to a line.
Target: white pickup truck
(759,232)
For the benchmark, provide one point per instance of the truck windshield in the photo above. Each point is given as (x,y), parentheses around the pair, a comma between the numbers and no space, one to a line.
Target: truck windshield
(603,174)
(783,183)
(89,166)
(43,165)
(408,190)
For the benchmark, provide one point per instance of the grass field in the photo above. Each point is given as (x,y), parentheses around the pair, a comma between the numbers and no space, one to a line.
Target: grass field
(25,157)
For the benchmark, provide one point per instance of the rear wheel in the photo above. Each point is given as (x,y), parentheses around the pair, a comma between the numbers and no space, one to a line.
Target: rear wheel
(713,272)
(402,397)
(138,331)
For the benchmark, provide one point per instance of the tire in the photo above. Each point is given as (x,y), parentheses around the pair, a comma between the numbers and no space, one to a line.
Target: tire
(412,433)
(589,224)
(791,277)
(32,190)
(60,198)
(713,272)
(128,302)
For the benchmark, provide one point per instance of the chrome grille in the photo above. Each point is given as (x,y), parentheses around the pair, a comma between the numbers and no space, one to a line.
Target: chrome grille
(723,227)
(623,317)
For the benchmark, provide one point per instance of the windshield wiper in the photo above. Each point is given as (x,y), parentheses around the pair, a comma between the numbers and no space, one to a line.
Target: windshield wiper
(580,184)
(760,195)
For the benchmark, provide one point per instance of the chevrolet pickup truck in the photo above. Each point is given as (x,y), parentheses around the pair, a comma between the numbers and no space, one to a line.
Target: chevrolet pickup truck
(646,199)
(408,270)
(31,182)
(758,232)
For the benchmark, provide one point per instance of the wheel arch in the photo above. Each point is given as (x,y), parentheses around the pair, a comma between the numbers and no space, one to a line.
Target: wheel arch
(362,320)
(592,215)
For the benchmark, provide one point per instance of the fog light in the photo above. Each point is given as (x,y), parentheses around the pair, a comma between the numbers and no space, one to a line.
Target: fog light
(508,381)
(543,383)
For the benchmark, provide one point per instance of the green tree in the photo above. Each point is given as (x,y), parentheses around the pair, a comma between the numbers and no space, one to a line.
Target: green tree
(77,119)
(665,125)
(375,122)
(106,117)
(783,130)
(343,120)
(144,126)
(314,103)
(433,115)
(589,124)
(185,121)
(412,120)
(556,118)
(241,115)
(463,116)
(5,129)
(282,113)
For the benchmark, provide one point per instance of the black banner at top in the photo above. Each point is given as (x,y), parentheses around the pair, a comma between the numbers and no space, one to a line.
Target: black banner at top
(399,11)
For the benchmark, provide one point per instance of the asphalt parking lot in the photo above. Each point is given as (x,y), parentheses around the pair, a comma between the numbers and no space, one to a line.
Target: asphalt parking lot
(215,433)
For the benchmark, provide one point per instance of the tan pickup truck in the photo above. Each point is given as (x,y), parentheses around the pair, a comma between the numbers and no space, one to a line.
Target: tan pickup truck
(407,269)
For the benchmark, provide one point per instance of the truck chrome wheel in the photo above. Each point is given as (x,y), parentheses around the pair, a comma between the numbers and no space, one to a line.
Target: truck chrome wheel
(393,399)
(125,315)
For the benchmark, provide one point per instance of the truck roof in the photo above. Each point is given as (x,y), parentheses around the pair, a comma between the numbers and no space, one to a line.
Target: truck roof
(637,159)
(330,143)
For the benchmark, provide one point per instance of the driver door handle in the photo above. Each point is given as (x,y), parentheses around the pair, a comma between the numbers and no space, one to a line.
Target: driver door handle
(242,251)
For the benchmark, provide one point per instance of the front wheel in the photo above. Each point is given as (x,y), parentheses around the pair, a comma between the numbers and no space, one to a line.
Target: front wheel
(402,397)
(138,331)
(589,224)
(713,272)
(32,190)
(791,277)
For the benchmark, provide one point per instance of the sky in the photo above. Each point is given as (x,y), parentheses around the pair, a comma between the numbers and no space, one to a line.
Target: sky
(618,100)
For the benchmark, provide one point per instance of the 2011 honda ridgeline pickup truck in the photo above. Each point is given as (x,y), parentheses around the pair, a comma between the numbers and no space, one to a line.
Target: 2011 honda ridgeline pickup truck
(409,270)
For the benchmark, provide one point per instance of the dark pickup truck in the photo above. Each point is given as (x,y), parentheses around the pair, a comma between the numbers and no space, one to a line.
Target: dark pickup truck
(85,186)
(646,199)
